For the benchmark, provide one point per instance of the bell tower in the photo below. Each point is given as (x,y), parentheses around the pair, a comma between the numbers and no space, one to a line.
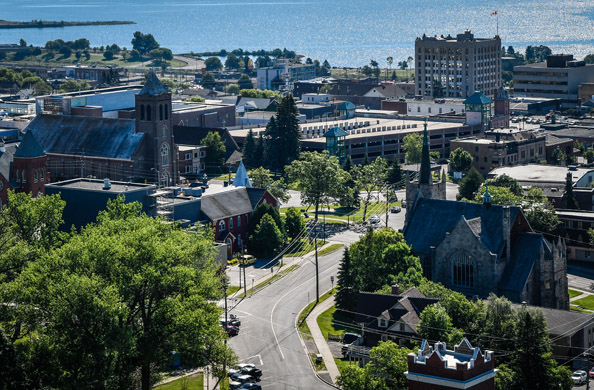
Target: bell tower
(30,167)
(153,118)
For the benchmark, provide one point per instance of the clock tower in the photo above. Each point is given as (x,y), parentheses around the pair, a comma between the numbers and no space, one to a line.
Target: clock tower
(153,118)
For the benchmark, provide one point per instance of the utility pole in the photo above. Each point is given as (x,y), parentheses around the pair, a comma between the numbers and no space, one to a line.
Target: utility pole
(317,275)
(244,284)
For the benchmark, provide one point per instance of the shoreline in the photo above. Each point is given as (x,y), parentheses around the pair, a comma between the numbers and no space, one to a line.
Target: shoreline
(6,24)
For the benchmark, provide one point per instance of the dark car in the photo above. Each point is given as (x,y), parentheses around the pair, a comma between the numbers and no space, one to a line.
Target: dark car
(347,340)
(250,386)
(231,330)
(395,209)
(255,373)
(231,322)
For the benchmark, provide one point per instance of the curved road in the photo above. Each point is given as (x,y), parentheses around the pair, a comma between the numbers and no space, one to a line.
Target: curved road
(268,335)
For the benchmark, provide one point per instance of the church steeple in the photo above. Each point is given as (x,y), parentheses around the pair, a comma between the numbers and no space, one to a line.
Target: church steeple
(486,197)
(425,174)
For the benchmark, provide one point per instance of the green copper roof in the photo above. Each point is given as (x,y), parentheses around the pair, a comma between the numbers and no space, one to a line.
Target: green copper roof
(336,132)
(478,98)
(347,106)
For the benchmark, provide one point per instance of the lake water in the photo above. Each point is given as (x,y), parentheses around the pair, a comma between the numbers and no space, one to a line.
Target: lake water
(345,32)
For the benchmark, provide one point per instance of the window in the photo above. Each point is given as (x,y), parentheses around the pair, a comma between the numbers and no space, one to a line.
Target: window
(383,323)
(238,220)
(41,174)
(148,113)
(160,112)
(142,112)
(166,111)
(24,179)
(463,271)
(579,224)
(164,131)
(418,109)
(187,169)
(222,225)
(384,337)
(35,176)
(230,223)
(18,176)
(188,156)
(587,254)
(402,327)
(164,154)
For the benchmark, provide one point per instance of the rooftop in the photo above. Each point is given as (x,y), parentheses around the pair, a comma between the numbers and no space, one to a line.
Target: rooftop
(98,185)
(539,173)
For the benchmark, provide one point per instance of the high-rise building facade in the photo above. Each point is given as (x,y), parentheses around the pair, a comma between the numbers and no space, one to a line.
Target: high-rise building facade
(457,67)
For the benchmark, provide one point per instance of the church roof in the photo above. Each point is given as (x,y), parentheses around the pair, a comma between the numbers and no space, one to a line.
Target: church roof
(431,219)
(6,159)
(29,147)
(525,253)
(226,204)
(153,86)
(478,98)
(335,132)
(88,136)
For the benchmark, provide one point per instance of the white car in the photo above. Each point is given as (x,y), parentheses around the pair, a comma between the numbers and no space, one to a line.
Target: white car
(374,219)
(579,377)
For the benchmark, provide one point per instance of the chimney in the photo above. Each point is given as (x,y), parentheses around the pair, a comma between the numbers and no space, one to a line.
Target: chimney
(106,184)
(395,289)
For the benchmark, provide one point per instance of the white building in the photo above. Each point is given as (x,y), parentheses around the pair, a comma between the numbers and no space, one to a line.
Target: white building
(315,98)
(284,71)
(426,107)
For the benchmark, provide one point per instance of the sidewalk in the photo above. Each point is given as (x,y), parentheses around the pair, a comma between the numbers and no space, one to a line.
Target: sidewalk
(319,339)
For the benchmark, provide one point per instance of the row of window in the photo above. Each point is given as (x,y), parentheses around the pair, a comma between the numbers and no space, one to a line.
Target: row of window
(223,225)
(146,112)
(38,175)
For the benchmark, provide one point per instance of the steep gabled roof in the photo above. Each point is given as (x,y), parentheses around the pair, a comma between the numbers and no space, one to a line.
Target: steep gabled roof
(6,158)
(89,136)
(478,98)
(226,204)
(347,106)
(255,195)
(371,305)
(29,147)
(153,86)
(431,219)
(525,253)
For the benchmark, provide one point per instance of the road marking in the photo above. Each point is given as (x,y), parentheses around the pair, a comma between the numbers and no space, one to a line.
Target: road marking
(258,356)
(242,312)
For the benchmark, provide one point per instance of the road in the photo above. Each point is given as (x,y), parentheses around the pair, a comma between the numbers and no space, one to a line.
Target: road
(268,335)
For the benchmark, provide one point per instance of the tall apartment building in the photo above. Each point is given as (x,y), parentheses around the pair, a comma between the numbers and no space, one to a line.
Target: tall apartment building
(559,77)
(282,71)
(462,65)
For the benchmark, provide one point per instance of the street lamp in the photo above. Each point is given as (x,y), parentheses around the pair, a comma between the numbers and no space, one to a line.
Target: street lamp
(158,176)
(587,355)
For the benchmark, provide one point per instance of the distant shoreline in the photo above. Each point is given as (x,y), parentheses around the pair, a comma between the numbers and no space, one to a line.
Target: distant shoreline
(6,24)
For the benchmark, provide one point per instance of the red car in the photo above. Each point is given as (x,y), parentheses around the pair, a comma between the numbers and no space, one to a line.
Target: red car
(591,372)
(231,330)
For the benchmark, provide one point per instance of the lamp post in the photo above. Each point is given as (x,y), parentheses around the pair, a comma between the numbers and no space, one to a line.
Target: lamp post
(158,176)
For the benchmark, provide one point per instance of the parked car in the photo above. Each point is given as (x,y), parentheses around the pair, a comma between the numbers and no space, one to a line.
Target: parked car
(247,259)
(241,366)
(591,372)
(233,317)
(255,373)
(579,377)
(395,209)
(347,340)
(231,330)
(250,386)
(374,219)
(231,322)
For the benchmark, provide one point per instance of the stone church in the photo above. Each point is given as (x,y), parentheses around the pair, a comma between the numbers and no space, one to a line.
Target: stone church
(478,249)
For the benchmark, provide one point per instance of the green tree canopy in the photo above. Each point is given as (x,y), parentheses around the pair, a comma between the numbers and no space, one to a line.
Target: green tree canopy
(470,184)
(245,82)
(283,135)
(262,178)
(267,238)
(213,63)
(144,43)
(394,172)
(294,223)
(208,81)
(460,160)
(250,159)
(435,324)
(413,146)
(370,179)
(215,152)
(568,199)
(74,86)
(508,182)
(232,61)
(319,176)
(260,212)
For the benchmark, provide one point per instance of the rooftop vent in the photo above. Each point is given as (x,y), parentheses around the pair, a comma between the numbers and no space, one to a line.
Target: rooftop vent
(106,184)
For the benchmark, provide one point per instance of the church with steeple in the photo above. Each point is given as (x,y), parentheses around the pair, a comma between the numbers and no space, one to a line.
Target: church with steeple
(482,248)
(424,186)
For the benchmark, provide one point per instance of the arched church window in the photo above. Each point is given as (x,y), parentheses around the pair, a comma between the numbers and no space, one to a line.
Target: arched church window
(148,113)
(18,176)
(164,155)
(142,112)
(221,225)
(42,174)
(160,112)
(463,271)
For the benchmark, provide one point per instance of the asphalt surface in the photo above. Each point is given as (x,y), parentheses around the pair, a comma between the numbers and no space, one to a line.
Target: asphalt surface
(268,335)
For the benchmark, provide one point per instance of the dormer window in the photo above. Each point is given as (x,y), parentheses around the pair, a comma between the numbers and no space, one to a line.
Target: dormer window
(383,323)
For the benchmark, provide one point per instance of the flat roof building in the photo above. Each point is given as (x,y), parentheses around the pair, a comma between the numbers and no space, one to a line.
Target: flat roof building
(458,66)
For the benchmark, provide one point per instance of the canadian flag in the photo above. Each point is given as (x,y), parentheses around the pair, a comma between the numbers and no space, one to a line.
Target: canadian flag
(493,13)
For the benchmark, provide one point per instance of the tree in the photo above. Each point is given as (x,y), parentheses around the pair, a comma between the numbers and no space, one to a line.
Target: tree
(589,59)
(508,182)
(319,176)
(232,61)
(460,160)
(208,81)
(499,195)
(22,43)
(245,82)
(326,64)
(568,199)
(65,51)
(144,43)
(389,61)
(346,296)
(470,184)
(353,377)
(215,152)
(261,178)
(294,223)
(537,53)
(435,324)
(375,67)
(249,150)
(366,70)
(413,146)
(73,86)
(283,135)
(41,88)
(259,212)
(369,179)
(267,238)
(394,172)
(213,63)
(103,327)
(232,89)
(389,362)
(108,54)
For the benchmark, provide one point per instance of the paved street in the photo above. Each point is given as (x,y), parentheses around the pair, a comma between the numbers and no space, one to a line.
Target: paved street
(268,335)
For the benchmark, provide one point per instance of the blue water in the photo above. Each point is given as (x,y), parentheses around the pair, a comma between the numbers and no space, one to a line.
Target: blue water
(345,32)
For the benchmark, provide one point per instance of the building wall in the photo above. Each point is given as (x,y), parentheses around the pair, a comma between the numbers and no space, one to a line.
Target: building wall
(62,167)
(541,81)
(236,225)
(214,117)
(462,64)
(433,108)
(585,92)
(36,175)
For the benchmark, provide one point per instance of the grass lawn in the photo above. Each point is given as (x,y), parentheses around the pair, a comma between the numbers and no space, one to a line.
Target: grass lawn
(319,366)
(232,290)
(574,293)
(268,281)
(332,321)
(338,213)
(342,363)
(575,308)
(586,303)
(330,249)
(303,328)
(302,248)
(194,382)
